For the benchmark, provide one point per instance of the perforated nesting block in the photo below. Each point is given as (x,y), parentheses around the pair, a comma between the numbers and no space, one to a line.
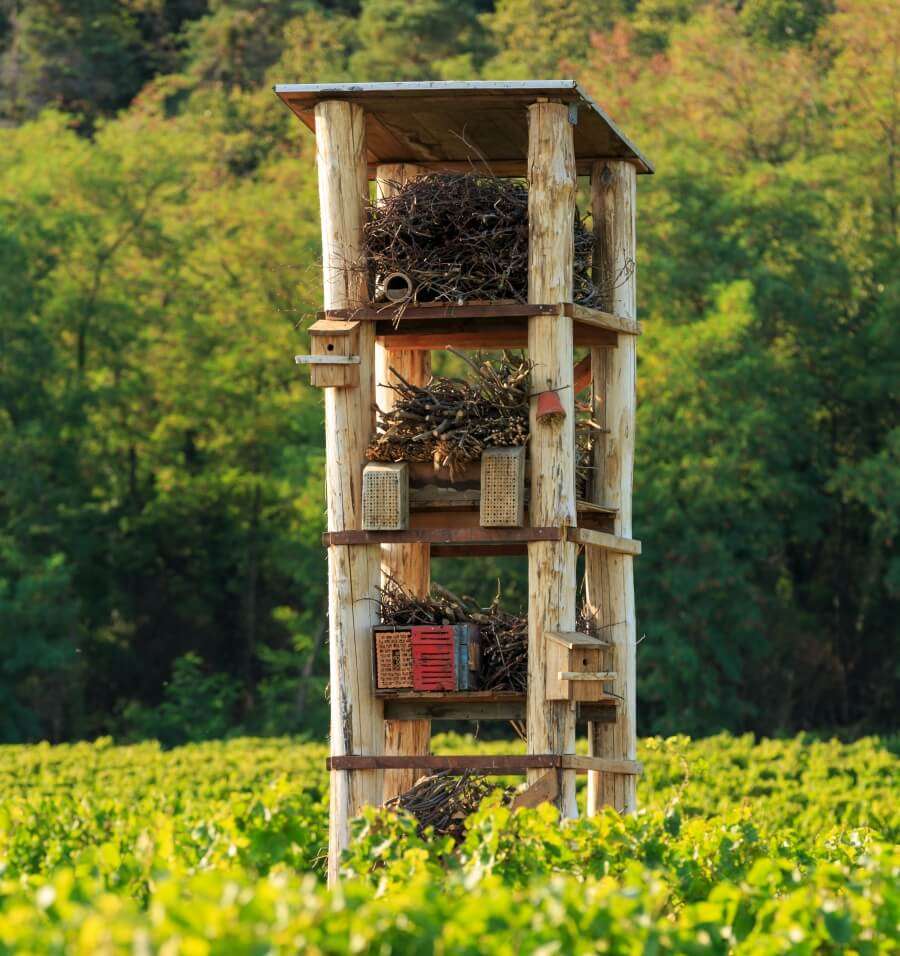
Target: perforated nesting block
(393,659)
(434,657)
(503,487)
(385,497)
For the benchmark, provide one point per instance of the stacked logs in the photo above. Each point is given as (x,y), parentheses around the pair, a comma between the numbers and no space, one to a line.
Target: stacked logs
(458,237)
(449,421)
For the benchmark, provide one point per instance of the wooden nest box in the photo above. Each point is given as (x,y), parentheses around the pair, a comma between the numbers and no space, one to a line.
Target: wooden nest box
(549,133)
(333,359)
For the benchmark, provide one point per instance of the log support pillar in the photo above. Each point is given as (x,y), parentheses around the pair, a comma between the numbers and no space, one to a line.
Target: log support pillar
(551,564)
(354,571)
(609,576)
(408,564)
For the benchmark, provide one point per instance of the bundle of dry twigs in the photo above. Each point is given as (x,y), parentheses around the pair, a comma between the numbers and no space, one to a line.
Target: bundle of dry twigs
(504,636)
(402,608)
(450,421)
(443,801)
(463,236)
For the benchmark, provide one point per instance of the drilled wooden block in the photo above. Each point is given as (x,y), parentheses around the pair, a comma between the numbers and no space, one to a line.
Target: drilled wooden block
(385,497)
(503,487)
(393,659)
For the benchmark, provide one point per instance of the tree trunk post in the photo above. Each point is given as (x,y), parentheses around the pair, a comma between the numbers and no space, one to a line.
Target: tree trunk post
(551,564)
(408,564)
(609,577)
(354,571)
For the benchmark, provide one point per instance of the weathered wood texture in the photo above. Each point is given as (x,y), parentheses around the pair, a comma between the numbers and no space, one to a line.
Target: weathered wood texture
(409,564)
(490,763)
(609,575)
(551,564)
(353,571)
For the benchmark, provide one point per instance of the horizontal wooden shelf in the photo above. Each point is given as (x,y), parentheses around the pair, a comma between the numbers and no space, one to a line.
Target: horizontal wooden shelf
(450,536)
(487,763)
(462,511)
(466,541)
(487,325)
(480,705)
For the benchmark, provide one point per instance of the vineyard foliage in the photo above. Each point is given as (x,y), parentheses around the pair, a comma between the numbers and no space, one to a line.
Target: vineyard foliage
(777,846)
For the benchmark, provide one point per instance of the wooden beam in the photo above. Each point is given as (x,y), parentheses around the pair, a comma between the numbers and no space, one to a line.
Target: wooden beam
(586,675)
(544,790)
(609,573)
(440,311)
(444,536)
(608,542)
(468,334)
(486,763)
(408,564)
(551,564)
(356,714)
(480,705)
(496,310)
(610,321)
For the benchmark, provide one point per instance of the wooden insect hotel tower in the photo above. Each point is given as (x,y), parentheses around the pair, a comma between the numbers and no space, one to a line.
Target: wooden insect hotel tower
(547,134)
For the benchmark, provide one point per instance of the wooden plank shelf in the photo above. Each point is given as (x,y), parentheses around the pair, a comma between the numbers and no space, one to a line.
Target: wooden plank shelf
(486,763)
(469,541)
(480,705)
(487,325)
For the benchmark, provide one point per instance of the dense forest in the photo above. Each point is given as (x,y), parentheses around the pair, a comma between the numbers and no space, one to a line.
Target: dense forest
(161,461)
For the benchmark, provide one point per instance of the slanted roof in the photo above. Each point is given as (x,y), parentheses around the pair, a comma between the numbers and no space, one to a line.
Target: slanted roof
(449,124)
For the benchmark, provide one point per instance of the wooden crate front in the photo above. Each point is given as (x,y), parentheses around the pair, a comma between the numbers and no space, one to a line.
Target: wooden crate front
(434,658)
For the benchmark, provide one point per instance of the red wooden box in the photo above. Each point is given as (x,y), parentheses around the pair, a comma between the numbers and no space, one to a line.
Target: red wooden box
(434,657)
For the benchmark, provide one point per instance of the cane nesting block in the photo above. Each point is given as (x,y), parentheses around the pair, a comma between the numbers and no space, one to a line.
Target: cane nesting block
(385,496)
(393,659)
(503,487)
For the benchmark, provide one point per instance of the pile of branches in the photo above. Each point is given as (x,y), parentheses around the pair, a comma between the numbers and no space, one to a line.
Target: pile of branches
(504,636)
(450,421)
(401,608)
(463,236)
(443,801)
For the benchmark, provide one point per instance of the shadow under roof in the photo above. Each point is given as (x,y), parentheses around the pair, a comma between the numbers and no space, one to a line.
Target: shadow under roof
(449,124)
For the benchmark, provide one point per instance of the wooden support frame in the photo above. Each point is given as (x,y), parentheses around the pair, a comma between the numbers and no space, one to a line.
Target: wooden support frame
(356,714)
(609,574)
(551,563)
(407,563)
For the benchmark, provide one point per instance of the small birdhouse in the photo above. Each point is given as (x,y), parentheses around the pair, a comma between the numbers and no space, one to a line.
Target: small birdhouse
(334,353)
(502,487)
(385,496)
(574,669)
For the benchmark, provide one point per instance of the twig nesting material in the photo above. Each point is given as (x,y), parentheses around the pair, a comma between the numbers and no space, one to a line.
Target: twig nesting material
(443,801)
(450,421)
(463,236)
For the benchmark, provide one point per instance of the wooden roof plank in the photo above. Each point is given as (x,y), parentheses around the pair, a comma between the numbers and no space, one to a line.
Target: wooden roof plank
(449,122)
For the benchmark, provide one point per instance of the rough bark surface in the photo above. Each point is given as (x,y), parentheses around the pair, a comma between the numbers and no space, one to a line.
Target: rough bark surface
(609,576)
(354,571)
(409,564)
(551,564)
